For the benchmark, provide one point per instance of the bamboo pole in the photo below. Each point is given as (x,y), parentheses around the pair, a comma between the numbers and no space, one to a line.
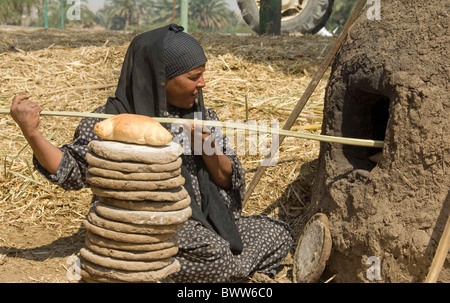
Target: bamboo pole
(307,94)
(441,254)
(241,126)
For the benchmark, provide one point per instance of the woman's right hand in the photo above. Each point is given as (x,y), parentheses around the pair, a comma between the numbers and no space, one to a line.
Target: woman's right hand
(26,114)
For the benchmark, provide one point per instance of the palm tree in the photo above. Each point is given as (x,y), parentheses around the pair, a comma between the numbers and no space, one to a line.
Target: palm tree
(17,11)
(209,14)
(128,10)
(163,10)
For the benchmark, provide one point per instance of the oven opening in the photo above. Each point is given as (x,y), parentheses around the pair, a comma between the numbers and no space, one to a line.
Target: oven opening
(365,116)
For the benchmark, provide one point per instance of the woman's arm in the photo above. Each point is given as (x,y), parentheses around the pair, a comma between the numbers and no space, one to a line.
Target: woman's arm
(26,114)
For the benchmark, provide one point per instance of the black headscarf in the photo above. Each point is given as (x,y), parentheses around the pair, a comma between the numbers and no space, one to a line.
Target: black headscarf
(141,90)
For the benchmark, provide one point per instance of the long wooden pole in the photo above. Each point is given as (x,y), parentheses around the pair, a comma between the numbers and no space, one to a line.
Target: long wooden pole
(441,254)
(173,10)
(241,126)
(307,94)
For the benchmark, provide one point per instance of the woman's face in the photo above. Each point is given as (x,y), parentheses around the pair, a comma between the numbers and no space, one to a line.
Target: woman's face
(182,90)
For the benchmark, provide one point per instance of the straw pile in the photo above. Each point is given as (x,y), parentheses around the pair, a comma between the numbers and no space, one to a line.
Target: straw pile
(248,77)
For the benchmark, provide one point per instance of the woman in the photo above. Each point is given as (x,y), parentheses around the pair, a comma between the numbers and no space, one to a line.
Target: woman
(162,75)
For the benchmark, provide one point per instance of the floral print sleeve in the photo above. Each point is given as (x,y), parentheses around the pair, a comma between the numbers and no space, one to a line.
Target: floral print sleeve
(71,171)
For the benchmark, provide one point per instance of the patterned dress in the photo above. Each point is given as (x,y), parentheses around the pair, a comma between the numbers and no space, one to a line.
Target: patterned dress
(203,255)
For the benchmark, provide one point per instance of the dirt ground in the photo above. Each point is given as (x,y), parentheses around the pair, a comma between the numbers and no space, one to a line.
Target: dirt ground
(41,224)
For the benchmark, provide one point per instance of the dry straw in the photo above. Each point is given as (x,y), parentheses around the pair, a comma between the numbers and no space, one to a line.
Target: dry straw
(248,78)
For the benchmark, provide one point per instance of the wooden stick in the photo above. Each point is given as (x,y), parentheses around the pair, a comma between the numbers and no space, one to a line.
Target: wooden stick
(307,94)
(441,254)
(284,133)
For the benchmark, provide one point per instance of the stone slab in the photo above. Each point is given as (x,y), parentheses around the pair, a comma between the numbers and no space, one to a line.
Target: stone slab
(118,175)
(130,276)
(125,237)
(175,194)
(109,243)
(143,217)
(132,255)
(114,263)
(132,185)
(147,205)
(130,227)
(119,151)
(131,167)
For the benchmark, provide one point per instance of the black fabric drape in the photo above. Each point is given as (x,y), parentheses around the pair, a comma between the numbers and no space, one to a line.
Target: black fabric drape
(212,212)
(141,90)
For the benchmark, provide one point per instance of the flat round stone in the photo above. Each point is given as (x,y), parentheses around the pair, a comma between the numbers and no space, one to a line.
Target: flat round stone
(132,255)
(130,227)
(109,243)
(143,217)
(130,276)
(114,263)
(119,151)
(175,194)
(132,185)
(131,167)
(118,175)
(147,205)
(125,237)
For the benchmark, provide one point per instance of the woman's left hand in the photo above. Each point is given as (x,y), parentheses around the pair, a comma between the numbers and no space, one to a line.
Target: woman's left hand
(199,135)
(218,164)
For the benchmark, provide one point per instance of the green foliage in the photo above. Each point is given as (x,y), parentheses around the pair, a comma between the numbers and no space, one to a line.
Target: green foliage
(140,15)
(32,13)
(12,11)
(209,15)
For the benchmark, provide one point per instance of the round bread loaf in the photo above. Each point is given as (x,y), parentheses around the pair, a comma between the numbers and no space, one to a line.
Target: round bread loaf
(133,128)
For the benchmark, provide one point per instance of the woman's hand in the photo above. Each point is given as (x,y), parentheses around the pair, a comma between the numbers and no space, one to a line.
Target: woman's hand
(218,164)
(26,114)
(198,135)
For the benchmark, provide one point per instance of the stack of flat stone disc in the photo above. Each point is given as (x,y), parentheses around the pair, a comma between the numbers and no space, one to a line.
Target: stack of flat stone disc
(131,230)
